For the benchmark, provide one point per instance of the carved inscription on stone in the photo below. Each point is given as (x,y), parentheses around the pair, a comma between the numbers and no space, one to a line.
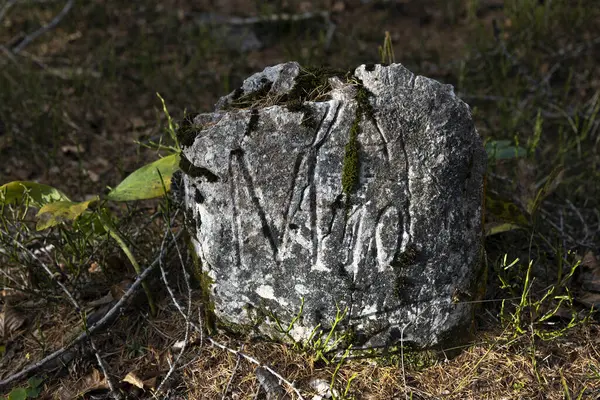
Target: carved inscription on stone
(277,230)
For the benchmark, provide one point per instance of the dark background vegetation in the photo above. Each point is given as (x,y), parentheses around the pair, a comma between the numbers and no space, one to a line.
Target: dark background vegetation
(74,100)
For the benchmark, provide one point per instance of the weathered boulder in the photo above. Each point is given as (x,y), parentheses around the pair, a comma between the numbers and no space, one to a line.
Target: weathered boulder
(359,191)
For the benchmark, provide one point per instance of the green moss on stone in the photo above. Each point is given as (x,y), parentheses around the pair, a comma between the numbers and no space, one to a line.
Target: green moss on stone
(351,165)
(364,105)
(205,282)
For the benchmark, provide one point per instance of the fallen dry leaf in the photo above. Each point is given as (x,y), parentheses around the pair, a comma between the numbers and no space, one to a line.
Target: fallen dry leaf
(150,383)
(72,149)
(137,122)
(11,320)
(590,300)
(119,289)
(589,278)
(132,378)
(93,381)
(590,261)
(94,267)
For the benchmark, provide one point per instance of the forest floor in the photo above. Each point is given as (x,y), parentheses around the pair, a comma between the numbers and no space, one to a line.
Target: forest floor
(79,109)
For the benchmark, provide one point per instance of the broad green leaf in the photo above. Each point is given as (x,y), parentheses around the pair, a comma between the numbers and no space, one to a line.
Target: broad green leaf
(502,150)
(89,224)
(53,214)
(15,192)
(34,388)
(17,394)
(146,182)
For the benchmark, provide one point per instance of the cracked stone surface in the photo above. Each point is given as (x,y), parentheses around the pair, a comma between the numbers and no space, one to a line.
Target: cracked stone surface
(273,227)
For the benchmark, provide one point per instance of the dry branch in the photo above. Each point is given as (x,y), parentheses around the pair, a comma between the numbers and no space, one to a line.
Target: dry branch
(37,33)
(119,307)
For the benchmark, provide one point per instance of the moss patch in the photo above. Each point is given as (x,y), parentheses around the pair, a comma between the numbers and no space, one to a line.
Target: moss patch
(364,105)
(205,282)
(351,164)
(311,84)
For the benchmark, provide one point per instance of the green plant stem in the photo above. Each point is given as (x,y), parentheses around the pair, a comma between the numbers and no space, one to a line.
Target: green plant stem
(110,228)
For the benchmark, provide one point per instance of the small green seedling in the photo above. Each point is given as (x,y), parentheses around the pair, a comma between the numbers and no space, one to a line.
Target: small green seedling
(31,391)
(55,208)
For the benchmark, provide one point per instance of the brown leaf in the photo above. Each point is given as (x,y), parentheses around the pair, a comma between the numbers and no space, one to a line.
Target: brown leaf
(338,6)
(137,122)
(119,289)
(590,300)
(132,378)
(72,149)
(94,267)
(11,320)
(94,177)
(93,381)
(150,383)
(590,261)
(589,278)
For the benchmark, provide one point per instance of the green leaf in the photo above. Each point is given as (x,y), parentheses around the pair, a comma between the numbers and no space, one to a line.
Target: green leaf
(17,394)
(147,182)
(34,388)
(494,228)
(502,150)
(16,192)
(89,224)
(505,211)
(53,214)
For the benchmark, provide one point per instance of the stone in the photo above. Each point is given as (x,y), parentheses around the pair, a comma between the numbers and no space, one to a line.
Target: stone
(312,192)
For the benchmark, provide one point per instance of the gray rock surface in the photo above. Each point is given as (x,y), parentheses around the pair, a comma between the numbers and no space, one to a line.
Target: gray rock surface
(358,192)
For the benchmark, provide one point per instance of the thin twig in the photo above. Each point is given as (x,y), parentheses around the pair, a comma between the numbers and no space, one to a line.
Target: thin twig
(111,384)
(402,350)
(50,274)
(222,346)
(187,315)
(256,362)
(6,7)
(114,312)
(235,368)
(585,226)
(34,35)
(78,308)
